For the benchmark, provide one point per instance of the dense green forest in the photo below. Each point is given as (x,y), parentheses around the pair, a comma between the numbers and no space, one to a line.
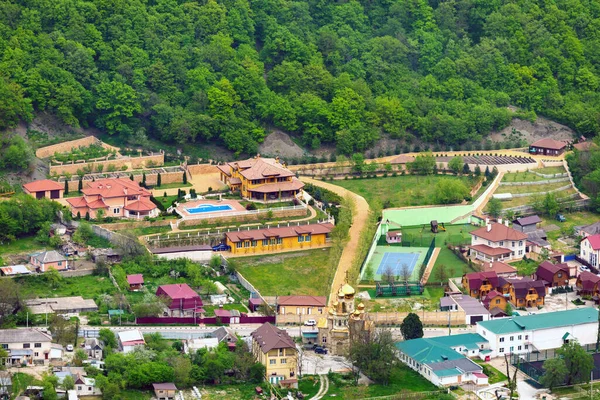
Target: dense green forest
(343,72)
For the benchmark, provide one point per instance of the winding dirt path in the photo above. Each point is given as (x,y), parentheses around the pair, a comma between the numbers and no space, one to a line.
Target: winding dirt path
(359,220)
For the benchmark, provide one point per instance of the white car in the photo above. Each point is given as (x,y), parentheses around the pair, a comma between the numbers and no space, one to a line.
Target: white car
(69,347)
(584,268)
(310,322)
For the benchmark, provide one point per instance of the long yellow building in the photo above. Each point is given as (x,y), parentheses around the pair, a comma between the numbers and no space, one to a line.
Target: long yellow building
(276,350)
(261,179)
(276,239)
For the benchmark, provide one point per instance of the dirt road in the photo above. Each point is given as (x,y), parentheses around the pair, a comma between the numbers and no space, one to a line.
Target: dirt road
(359,220)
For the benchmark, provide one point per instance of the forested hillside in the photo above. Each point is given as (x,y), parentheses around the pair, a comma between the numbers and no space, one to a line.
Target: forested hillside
(343,72)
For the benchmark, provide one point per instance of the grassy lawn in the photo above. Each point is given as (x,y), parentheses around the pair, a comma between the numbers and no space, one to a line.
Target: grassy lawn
(210,309)
(399,191)
(303,272)
(529,176)
(572,220)
(240,392)
(453,265)
(403,379)
(435,293)
(456,234)
(514,189)
(493,374)
(88,287)
(135,395)
(521,201)
(21,245)
(173,185)
(166,201)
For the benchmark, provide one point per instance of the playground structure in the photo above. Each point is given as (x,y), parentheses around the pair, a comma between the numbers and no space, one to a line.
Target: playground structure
(395,289)
(435,226)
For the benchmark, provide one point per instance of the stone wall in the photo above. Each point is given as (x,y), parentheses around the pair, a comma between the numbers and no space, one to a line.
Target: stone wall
(118,226)
(151,178)
(194,169)
(129,162)
(65,147)
(77,272)
(435,318)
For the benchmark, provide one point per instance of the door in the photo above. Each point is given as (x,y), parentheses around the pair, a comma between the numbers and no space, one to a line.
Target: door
(476,318)
(459,379)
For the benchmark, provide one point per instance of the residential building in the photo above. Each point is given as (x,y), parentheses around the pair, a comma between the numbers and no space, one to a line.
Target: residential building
(497,242)
(164,391)
(553,274)
(478,284)
(135,281)
(85,386)
(300,305)
(587,230)
(444,361)
(25,346)
(495,299)
(117,198)
(474,311)
(281,238)
(44,188)
(128,340)
(527,292)
(538,332)
(547,147)
(589,250)
(93,348)
(276,350)
(587,284)
(261,179)
(43,261)
(182,299)
(527,224)
(393,237)
(13,270)
(501,269)
(61,305)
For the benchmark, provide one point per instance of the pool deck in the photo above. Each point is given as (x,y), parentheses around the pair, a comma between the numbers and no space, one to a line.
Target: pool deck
(181,209)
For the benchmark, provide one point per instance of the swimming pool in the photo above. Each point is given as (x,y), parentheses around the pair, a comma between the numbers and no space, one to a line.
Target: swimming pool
(205,208)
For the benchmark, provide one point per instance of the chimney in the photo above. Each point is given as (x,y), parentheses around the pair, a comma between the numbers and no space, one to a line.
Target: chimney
(506,222)
(489,227)
(499,220)
(277,159)
(487,221)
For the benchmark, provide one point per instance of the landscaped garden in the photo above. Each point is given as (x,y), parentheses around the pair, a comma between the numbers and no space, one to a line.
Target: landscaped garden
(84,153)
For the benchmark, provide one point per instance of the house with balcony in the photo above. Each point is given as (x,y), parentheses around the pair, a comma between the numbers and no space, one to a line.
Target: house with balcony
(589,250)
(261,179)
(478,284)
(527,292)
(588,284)
(495,300)
(553,274)
(547,147)
(497,242)
(276,350)
(117,198)
(25,346)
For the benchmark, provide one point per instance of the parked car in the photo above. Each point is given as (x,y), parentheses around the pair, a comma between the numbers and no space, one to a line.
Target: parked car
(310,322)
(584,268)
(560,218)
(320,350)
(69,347)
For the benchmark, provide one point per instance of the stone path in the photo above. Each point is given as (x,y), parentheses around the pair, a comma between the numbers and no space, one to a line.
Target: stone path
(359,220)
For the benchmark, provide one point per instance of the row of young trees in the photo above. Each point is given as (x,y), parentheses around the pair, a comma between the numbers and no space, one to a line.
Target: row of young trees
(331,72)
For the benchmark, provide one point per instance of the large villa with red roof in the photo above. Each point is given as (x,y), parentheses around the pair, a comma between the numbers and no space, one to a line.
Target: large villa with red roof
(118,198)
(497,242)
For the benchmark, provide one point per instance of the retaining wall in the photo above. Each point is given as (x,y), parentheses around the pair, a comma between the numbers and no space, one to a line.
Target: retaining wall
(77,272)
(245,217)
(543,182)
(127,161)
(202,169)
(67,147)
(427,318)
(117,226)
(151,179)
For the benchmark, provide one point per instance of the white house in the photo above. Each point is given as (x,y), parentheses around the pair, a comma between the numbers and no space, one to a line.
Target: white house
(128,340)
(529,333)
(497,242)
(589,249)
(26,346)
(444,360)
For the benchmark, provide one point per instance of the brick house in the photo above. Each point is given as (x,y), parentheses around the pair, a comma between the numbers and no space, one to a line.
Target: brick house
(182,299)
(45,260)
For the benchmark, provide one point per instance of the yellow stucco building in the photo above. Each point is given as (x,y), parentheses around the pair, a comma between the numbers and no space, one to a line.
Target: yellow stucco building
(297,237)
(276,350)
(261,179)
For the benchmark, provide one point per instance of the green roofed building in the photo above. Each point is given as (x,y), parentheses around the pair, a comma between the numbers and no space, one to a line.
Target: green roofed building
(444,360)
(543,331)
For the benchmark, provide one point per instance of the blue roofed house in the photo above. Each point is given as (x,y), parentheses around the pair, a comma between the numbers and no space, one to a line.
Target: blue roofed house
(444,360)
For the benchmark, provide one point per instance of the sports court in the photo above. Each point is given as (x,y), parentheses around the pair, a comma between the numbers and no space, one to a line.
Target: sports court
(395,257)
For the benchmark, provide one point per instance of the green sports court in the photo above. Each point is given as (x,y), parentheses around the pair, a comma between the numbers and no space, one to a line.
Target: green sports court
(395,257)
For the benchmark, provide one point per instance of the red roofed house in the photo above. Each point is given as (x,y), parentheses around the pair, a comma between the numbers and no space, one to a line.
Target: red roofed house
(589,250)
(118,198)
(301,305)
(261,179)
(553,274)
(588,284)
(497,242)
(44,189)
(182,298)
(527,293)
(135,281)
(478,284)
(500,268)
(276,239)
(276,350)
(547,147)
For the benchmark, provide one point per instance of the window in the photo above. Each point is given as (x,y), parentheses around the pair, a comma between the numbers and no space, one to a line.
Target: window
(560,274)
(520,243)
(526,337)
(300,239)
(512,338)
(279,240)
(26,345)
(273,241)
(238,245)
(284,360)
(4,346)
(502,243)
(254,243)
(37,345)
(272,362)
(280,352)
(489,243)
(265,242)
(78,387)
(116,210)
(497,301)
(519,337)
(520,252)
(512,348)
(526,346)
(513,244)
(518,347)
(36,354)
(501,339)
(246,243)
(308,238)
(501,350)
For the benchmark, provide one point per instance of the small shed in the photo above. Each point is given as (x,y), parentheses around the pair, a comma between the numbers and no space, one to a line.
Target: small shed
(135,281)
(393,237)
(15,270)
(220,287)
(254,304)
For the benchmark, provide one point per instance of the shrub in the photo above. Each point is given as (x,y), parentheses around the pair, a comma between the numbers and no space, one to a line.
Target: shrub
(250,206)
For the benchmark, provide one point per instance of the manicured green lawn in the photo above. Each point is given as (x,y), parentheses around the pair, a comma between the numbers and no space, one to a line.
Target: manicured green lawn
(88,287)
(453,265)
(529,176)
(399,191)
(173,185)
(493,374)
(303,272)
(455,234)
(21,245)
(403,379)
(210,309)
(519,189)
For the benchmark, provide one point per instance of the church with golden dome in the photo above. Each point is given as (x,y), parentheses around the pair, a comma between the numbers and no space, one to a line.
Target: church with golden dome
(343,323)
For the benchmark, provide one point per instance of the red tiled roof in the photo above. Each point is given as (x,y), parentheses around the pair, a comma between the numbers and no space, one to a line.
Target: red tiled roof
(490,251)
(499,267)
(181,295)
(97,204)
(43,186)
(219,312)
(313,301)
(135,279)
(77,202)
(549,143)
(594,241)
(488,297)
(269,337)
(143,204)
(288,231)
(499,232)
(258,168)
(295,184)
(114,188)
(547,270)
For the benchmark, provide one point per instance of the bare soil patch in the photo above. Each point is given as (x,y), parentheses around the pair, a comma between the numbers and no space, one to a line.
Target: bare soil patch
(533,131)
(279,143)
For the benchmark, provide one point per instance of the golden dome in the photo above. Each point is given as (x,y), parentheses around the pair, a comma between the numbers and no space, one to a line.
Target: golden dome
(361,306)
(347,289)
(331,311)
(340,293)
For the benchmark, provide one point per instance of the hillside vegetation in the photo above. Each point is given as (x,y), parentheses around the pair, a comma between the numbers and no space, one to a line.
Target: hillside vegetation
(343,72)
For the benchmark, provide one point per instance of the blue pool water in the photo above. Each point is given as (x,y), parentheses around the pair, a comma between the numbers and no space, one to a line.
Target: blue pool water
(205,208)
